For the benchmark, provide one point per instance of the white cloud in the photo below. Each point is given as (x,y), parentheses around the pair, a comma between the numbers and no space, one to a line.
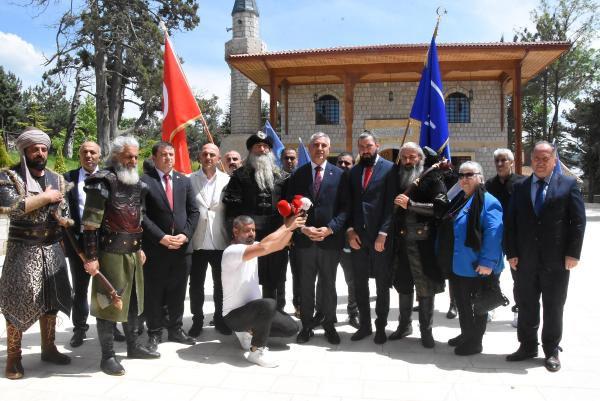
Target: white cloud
(21,58)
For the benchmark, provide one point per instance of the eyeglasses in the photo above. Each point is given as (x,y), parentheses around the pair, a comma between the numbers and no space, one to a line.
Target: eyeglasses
(467,175)
(501,161)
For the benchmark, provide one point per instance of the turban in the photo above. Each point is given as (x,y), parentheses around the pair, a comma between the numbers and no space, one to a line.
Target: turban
(32,136)
(259,137)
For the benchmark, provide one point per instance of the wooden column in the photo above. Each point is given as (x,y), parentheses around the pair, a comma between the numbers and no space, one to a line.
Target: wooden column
(285,84)
(517,116)
(274,97)
(349,83)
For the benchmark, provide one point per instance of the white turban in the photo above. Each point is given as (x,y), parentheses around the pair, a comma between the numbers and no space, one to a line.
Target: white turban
(29,137)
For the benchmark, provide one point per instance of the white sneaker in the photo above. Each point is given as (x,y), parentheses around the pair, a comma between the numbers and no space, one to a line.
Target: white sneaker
(261,358)
(515,322)
(245,339)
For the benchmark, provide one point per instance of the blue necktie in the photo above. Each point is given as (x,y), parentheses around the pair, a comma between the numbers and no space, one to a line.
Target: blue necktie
(539,197)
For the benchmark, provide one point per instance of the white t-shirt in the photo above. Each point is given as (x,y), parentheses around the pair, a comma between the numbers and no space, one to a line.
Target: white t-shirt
(239,278)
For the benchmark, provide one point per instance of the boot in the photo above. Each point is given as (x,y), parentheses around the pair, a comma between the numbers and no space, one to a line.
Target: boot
(48,333)
(109,363)
(136,350)
(426,321)
(14,369)
(405,322)
(473,341)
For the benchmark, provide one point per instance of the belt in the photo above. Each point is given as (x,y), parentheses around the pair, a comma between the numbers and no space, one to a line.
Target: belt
(35,234)
(120,242)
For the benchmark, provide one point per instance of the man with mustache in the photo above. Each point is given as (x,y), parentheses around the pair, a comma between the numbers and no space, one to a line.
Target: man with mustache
(233,161)
(112,238)
(415,263)
(254,190)
(34,284)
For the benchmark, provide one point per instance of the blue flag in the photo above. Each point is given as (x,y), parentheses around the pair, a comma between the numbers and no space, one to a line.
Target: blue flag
(303,156)
(557,167)
(277,145)
(429,107)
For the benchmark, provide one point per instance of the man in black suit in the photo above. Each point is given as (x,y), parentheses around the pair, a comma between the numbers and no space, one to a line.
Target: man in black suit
(170,217)
(545,228)
(89,157)
(372,190)
(319,242)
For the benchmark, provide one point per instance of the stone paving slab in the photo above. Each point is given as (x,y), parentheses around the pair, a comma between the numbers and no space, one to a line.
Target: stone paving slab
(214,368)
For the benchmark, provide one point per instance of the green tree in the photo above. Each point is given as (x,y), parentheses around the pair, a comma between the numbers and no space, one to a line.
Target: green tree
(11,110)
(196,134)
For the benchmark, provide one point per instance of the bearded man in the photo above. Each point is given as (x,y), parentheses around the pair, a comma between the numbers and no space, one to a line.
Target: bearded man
(34,283)
(112,237)
(254,190)
(415,263)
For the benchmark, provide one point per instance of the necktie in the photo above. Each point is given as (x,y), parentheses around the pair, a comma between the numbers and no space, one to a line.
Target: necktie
(367,176)
(317,181)
(539,197)
(168,189)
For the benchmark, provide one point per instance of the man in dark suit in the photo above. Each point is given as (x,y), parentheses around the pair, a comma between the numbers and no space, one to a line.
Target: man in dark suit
(170,217)
(372,190)
(89,157)
(319,242)
(545,228)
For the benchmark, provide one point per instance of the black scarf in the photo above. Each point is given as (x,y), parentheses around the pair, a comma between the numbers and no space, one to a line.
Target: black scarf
(474,234)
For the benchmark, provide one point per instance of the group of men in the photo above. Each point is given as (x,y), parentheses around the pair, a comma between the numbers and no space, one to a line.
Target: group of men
(374,218)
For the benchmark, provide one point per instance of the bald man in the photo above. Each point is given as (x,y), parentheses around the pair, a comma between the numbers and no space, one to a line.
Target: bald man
(232,161)
(209,239)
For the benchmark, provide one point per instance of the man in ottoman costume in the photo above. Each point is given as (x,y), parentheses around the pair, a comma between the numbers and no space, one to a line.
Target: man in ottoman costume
(112,239)
(34,283)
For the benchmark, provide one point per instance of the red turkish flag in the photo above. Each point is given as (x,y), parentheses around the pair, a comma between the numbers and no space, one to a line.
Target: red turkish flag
(179,108)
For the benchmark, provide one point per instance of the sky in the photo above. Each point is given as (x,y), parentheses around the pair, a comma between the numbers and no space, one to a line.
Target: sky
(27,34)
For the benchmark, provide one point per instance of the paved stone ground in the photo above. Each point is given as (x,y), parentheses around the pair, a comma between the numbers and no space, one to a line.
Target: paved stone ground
(214,368)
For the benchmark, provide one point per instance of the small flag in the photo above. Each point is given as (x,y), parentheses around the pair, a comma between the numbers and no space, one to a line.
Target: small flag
(277,145)
(303,156)
(557,166)
(429,107)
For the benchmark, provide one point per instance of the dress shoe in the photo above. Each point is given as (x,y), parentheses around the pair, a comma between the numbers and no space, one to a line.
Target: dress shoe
(304,336)
(332,336)
(362,332)
(317,320)
(222,328)
(179,336)
(112,367)
(468,348)
(401,332)
(77,339)
(380,336)
(153,341)
(552,363)
(195,330)
(117,335)
(452,312)
(456,341)
(524,352)
(138,351)
(427,339)
(353,321)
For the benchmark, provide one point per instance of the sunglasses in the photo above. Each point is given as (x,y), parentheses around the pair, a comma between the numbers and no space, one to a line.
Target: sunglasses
(466,175)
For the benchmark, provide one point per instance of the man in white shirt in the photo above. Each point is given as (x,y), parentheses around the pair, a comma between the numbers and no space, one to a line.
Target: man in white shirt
(253,318)
(209,239)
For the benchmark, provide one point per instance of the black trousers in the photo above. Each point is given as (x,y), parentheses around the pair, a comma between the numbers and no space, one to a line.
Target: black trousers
(81,282)
(165,283)
(367,262)
(552,286)
(262,317)
(272,269)
(200,261)
(322,262)
(295,267)
(515,307)
(472,326)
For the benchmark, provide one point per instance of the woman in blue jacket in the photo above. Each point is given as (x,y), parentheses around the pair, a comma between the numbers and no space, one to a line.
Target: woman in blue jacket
(477,254)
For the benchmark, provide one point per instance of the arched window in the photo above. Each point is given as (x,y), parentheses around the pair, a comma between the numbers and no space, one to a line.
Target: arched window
(327,110)
(458,108)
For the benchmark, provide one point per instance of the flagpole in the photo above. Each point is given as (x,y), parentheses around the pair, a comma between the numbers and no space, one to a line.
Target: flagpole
(439,11)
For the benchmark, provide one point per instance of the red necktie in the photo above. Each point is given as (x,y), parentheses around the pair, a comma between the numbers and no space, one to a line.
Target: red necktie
(367,176)
(317,181)
(168,190)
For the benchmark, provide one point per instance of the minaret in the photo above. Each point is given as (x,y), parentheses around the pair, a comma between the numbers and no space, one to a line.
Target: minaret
(245,94)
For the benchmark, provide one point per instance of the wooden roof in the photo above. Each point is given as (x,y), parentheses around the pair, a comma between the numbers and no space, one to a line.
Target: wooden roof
(398,63)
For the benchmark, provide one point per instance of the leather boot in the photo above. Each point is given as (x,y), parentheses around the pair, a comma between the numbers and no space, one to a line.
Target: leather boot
(48,333)
(14,369)
(426,321)
(405,322)
(136,350)
(109,363)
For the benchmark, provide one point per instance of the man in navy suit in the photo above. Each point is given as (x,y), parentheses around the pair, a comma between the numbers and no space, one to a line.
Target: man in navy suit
(319,242)
(372,190)
(545,227)
(170,218)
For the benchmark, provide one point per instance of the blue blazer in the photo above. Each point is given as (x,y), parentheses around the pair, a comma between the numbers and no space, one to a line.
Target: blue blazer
(330,205)
(545,240)
(372,208)
(465,259)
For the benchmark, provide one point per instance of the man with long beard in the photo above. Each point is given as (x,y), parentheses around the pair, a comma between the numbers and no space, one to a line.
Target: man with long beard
(415,263)
(112,240)
(34,283)
(254,190)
